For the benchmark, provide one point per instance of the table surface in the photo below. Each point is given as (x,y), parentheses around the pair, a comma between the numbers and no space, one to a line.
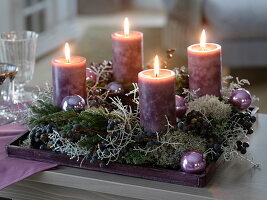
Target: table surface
(232,180)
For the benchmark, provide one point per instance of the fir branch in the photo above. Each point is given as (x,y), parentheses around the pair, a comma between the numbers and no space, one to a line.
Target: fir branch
(133,157)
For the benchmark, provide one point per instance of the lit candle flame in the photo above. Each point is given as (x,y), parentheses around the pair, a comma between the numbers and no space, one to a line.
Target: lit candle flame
(126,27)
(67,52)
(156,66)
(203,39)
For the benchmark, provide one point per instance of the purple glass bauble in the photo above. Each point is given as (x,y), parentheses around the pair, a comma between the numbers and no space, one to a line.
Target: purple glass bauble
(193,162)
(180,106)
(240,98)
(115,88)
(75,103)
(90,76)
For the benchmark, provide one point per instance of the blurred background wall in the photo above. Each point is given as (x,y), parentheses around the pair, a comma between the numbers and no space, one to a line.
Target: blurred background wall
(240,26)
(54,20)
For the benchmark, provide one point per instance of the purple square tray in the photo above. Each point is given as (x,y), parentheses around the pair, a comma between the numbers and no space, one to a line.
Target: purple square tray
(157,174)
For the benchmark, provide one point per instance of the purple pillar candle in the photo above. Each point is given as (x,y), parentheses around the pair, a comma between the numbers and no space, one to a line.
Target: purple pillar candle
(69,78)
(156,99)
(127,54)
(204,66)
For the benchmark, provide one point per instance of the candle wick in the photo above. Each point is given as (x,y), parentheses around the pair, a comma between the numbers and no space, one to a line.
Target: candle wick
(68,60)
(203,48)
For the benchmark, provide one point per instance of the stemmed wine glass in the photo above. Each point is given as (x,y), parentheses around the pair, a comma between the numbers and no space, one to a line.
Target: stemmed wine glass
(7,75)
(19,48)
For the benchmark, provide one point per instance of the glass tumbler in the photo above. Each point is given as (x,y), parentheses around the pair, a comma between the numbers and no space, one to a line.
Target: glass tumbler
(7,75)
(19,48)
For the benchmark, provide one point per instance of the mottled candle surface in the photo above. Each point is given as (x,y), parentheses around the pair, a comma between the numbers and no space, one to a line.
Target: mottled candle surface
(156,99)
(127,56)
(69,78)
(204,66)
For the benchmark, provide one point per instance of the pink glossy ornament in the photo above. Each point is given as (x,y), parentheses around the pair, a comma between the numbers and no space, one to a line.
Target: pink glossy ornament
(75,103)
(90,76)
(115,88)
(193,162)
(180,106)
(240,98)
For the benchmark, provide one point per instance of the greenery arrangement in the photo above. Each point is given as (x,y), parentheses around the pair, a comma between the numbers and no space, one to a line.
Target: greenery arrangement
(109,130)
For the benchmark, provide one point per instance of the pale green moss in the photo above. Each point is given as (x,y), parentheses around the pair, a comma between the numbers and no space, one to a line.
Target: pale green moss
(175,144)
(210,106)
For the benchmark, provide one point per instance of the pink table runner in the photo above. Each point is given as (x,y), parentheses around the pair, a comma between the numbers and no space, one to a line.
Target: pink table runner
(13,170)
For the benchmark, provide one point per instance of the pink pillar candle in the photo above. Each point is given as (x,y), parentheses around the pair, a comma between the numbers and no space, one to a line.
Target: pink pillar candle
(204,66)
(127,56)
(156,99)
(69,78)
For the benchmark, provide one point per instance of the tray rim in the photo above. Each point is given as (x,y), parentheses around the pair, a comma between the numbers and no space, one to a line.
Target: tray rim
(177,177)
